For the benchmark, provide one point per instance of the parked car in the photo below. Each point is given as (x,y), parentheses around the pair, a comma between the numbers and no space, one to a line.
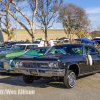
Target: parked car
(7,63)
(1,45)
(64,62)
(17,50)
(8,45)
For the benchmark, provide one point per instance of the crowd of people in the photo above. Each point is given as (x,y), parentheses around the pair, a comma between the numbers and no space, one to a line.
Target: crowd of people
(51,42)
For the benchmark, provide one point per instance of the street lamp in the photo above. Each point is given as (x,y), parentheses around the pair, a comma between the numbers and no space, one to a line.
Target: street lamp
(15,28)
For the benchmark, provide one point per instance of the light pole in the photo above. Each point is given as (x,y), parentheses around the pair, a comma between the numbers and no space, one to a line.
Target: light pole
(0,23)
(15,28)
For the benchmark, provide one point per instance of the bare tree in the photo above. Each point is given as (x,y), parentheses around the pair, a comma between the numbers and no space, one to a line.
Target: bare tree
(46,13)
(73,18)
(9,3)
(5,9)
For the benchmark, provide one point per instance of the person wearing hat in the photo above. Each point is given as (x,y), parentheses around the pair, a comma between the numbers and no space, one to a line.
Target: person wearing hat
(41,42)
(51,42)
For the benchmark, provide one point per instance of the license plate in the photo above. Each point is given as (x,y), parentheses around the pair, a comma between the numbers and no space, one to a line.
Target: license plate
(34,72)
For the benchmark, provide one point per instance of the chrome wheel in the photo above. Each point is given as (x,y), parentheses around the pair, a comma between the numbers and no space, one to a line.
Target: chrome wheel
(71,79)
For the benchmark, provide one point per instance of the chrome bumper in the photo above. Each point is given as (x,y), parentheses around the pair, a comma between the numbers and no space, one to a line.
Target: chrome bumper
(7,70)
(41,71)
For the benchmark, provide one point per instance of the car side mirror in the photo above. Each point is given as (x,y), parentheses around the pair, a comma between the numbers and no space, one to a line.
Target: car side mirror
(88,52)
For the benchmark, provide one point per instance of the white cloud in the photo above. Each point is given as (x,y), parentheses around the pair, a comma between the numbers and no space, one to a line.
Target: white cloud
(93,10)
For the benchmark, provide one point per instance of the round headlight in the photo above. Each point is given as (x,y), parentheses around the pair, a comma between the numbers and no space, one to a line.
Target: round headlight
(51,64)
(17,64)
(20,64)
(55,65)
(14,63)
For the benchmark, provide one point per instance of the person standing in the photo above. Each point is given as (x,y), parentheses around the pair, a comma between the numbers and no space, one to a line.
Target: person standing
(41,42)
(51,42)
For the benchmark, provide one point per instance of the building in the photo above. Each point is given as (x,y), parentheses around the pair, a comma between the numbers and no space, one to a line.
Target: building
(22,34)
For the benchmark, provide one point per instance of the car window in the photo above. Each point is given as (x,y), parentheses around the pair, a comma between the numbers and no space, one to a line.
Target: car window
(91,50)
(18,47)
(65,50)
(31,46)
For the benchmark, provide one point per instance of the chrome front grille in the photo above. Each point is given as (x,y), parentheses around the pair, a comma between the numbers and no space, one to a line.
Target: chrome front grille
(5,64)
(35,64)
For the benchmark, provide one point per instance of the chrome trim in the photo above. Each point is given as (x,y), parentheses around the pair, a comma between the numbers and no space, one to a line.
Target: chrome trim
(89,73)
(39,62)
(71,79)
(34,61)
(7,64)
(41,71)
(7,70)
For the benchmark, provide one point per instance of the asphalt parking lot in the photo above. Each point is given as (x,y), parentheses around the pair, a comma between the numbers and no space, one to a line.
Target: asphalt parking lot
(86,88)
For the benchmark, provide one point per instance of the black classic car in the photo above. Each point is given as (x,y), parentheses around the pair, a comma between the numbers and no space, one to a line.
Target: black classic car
(64,62)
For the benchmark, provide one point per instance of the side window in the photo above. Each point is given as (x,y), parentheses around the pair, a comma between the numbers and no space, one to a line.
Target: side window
(27,47)
(91,50)
(77,50)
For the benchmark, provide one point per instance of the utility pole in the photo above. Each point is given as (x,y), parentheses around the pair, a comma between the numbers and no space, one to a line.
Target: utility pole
(15,28)
(0,23)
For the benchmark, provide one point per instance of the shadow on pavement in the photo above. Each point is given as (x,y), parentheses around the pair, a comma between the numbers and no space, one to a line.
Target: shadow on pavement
(84,76)
(17,80)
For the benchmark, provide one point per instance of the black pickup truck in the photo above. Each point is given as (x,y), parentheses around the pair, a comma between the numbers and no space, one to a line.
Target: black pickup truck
(64,62)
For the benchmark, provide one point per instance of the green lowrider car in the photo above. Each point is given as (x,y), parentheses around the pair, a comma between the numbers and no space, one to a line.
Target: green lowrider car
(7,63)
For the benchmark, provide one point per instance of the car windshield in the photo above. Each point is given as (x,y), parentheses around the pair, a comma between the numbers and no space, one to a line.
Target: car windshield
(35,52)
(65,50)
(18,47)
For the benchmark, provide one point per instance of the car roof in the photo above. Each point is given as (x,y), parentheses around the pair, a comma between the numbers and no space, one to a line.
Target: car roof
(27,44)
(40,48)
(74,45)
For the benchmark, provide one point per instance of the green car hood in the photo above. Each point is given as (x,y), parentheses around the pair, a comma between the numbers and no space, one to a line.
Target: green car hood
(15,54)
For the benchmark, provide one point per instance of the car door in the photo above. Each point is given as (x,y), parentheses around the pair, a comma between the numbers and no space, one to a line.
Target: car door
(92,58)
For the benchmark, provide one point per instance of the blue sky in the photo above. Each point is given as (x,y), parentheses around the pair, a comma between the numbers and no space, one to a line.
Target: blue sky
(92,8)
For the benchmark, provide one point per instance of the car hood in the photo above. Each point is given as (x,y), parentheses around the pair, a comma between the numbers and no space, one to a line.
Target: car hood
(40,58)
(15,53)
(25,57)
(7,59)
